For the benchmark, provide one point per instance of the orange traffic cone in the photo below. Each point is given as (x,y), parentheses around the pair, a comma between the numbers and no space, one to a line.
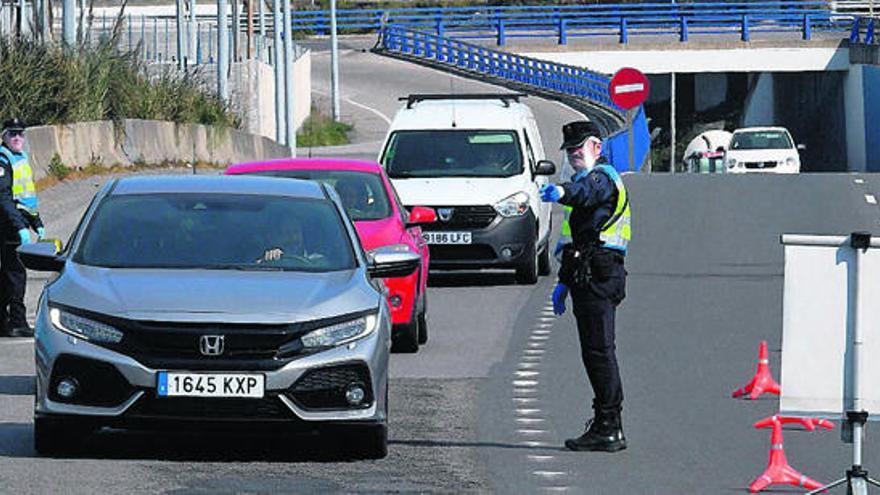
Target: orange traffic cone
(763,381)
(778,471)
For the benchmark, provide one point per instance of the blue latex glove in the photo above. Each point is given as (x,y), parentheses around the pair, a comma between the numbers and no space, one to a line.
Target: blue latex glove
(551,193)
(560,292)
(25,236)
(41,232)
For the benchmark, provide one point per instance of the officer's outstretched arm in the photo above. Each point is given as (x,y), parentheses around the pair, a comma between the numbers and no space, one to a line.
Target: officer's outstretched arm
(7,206)
(591,190)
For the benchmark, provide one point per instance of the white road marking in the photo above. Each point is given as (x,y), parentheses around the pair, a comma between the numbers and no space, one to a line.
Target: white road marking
(541,332)
(870,199)
(525,391)
(531,432)
(536,344)
(547,319)
(361,106)
(549,474)
(526,374)
(535,444)
(534,359)
(539,337)
(528,412)
(525,383)
(540,458)
(534,351)
(529,421)
(555,488)
(525,400)
(859,181)
(527,366)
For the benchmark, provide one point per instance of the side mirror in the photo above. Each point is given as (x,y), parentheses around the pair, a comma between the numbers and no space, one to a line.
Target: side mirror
(801,147)
(545,167)
(42,256)
(420,215)
(392,261)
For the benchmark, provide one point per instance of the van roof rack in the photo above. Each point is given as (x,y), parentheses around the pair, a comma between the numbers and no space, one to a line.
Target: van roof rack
(505,98)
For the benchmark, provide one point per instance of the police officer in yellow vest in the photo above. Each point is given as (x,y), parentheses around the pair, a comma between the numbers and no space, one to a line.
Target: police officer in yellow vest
(19,215)
(592,272)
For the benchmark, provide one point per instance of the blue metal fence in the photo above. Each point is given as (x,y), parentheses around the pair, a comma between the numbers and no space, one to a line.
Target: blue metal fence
(566,79)
(864,30)
(619,20)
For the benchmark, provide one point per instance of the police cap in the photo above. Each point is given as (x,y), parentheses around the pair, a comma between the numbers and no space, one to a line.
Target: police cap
(13,124)
(575,133)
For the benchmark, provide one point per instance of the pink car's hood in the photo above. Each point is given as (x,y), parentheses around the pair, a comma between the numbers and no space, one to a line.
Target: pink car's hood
(377,233)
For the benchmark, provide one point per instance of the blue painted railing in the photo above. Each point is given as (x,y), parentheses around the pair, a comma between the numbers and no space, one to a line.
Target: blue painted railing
(557,78)
(864,30)
(618,20)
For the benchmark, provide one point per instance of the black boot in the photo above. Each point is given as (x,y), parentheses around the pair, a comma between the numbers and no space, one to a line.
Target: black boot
(604,433)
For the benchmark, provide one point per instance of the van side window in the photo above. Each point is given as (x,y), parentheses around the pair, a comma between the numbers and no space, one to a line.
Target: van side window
(529,151)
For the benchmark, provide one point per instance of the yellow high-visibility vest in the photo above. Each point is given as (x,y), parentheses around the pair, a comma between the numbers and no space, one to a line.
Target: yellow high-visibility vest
(617,232)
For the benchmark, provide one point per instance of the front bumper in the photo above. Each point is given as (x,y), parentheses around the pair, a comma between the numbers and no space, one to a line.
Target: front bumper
(293,392)
(504,243)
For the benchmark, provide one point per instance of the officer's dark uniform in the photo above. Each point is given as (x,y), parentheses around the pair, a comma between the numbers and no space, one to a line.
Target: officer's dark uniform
(593,197)
(13,275)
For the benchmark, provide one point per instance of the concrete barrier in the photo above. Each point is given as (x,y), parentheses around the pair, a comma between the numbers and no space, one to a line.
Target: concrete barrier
(146,142)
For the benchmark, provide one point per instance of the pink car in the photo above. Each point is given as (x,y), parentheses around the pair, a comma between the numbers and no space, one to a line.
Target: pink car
(380,220)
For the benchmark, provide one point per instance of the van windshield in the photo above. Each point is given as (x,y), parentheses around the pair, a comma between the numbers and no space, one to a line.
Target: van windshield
(456,153)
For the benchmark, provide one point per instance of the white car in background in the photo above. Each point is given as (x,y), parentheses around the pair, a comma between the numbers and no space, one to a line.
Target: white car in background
(763,150)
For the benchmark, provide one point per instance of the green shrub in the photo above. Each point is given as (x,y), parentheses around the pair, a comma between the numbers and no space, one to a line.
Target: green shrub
(57,168)
(45,84)
(320,130)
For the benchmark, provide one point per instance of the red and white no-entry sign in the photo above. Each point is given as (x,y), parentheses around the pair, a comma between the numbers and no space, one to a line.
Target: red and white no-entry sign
(628,88)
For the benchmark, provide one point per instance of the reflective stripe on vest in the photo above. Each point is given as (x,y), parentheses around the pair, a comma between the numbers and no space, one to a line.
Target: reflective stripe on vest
(24,192)
(617,233)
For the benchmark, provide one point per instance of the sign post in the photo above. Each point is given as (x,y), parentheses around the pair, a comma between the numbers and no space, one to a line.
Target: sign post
(628,89)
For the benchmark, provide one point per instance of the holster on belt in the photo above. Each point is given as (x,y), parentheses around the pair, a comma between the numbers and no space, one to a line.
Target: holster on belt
(575,268)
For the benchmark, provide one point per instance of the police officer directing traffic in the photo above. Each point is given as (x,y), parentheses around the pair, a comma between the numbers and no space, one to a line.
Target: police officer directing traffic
(592,272)
(18,215)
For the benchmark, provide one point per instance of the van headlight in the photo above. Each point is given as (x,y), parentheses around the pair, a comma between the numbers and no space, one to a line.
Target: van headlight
(515,205)
(731,162)
(84,328)
(790,162)
(342,333)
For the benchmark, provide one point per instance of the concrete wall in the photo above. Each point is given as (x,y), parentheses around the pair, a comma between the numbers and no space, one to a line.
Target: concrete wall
(854,94)
(144,141)
(706,60)
(710,90)
(252,92)
(759,109)
(871,81)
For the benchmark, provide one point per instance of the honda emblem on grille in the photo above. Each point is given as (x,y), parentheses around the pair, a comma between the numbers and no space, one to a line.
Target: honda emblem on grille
(445,214)
(211,345)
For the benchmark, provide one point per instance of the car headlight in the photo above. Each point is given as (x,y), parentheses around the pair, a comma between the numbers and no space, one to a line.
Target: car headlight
(790,162)
(342,333)
(515,205)
(731,162)
(84,328)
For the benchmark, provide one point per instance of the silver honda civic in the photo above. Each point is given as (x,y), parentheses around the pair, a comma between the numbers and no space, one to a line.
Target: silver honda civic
(186,301)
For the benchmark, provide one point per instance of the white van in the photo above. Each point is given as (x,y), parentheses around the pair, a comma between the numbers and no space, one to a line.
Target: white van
(478,160)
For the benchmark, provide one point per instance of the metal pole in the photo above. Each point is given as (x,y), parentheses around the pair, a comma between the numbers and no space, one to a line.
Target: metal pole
(290,115)
(222,51)
(143,37)
(250,29)
(261,25)
(631,117)
(334,63)
(278,61)
(68,22)
(47,29)
(236,21)
(156,39)
(193,36)
(672,124)
(180,28)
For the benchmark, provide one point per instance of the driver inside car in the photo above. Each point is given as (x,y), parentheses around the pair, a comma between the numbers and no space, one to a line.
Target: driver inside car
(288,243)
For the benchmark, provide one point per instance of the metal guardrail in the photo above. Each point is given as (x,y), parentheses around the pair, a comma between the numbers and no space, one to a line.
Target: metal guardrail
(538,76)
(864,30)
(565,21)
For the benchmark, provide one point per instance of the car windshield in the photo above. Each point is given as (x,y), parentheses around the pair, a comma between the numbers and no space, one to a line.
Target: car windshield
(216,231)
(761,140)
(459,153)
(363,194)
